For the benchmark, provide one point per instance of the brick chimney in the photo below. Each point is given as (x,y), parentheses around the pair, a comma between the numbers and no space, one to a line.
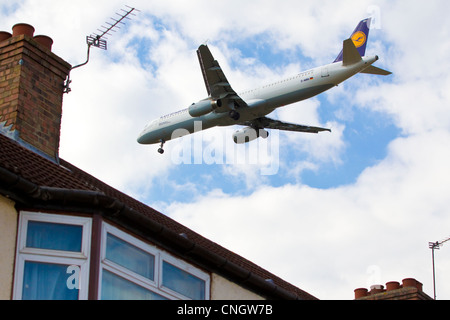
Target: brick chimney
(410,289)
(31,90)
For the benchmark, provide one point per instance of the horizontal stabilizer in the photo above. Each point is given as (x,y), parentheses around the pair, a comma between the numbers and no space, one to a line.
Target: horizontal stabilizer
(350,54)
(375,70)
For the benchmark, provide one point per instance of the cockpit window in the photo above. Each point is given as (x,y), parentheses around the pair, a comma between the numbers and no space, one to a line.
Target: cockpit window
(151,124)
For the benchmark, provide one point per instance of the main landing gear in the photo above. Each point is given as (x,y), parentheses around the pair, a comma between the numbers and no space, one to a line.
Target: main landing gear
(161,150)
(234,115)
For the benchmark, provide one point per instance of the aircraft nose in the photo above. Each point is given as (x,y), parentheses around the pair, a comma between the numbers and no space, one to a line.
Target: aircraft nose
(140,138)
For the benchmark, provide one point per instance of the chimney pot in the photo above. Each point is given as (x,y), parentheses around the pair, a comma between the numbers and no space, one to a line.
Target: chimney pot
(23,28)
(411,282)
(378,288)
(361,292)
(4,36)
(393,285)
(45,41)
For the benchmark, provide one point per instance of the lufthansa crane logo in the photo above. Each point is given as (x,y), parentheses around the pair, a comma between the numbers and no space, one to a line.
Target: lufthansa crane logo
(359,38)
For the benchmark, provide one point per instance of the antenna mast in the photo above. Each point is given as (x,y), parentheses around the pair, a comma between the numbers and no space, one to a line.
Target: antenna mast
(435,246)
(98,40)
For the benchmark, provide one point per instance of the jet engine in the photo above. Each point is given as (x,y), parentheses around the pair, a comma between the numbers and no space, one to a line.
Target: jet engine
(203,107)
(248,134)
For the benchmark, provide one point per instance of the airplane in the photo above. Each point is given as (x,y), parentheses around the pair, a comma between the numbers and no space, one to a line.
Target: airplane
(225,107)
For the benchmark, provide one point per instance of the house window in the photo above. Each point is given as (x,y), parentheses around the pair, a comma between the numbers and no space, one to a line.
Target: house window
(53,263)
(130,257)
(52,257)
(132,269)
(182,282)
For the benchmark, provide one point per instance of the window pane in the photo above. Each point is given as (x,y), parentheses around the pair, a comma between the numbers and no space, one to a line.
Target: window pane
(183,282)
(54,236)
(46,281)
(118,288)
(130,257)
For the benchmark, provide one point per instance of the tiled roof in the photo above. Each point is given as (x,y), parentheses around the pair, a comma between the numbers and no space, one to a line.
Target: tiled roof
(42,172)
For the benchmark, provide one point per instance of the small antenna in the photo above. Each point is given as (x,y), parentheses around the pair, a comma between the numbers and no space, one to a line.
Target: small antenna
(98,40)
(435,246)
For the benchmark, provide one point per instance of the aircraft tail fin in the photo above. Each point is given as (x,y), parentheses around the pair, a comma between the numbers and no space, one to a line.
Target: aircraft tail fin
(359,38)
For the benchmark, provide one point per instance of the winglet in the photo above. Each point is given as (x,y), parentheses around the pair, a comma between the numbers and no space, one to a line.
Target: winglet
(203,50)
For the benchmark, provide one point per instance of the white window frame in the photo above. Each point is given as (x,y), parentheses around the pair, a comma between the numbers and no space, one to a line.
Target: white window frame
(185,267)
(120,270)
(24,253)
(160,256)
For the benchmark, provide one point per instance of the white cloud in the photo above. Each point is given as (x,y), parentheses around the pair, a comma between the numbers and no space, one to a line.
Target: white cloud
(308,234)
(321,148)
(102,118)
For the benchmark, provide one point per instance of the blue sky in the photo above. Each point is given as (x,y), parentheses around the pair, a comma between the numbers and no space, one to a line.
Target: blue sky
(328,218)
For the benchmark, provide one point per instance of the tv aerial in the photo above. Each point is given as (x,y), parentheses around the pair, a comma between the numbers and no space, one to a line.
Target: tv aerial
(99,38)
(435,246)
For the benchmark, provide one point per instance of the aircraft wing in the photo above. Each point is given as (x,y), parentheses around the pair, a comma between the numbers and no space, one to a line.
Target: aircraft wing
(268,123)
(216,83)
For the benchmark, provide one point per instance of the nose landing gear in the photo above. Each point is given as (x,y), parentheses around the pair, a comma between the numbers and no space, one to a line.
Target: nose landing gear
(161,150)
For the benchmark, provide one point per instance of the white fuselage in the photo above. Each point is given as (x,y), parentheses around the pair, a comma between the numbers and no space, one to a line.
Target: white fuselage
(260,101)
